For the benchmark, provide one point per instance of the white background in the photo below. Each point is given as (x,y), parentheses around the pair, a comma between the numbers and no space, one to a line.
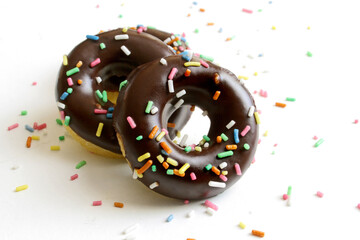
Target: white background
(34,35)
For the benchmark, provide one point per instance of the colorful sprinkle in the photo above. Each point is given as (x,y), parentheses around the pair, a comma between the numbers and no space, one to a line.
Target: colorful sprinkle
(217,184)
(65,60)
(170,218)
(154,185)
(144,156)
(257,117)
(163,61)
(216,95)
(192,64)
(28,142)
(146,166)
(125,50)
(180,93)
(97,203)
(172,73)
(66,121)
(278,104)
(319,194)
(121,37)
(247,10)
(257,233)
(225,154)
(149,106)
(80,164)
(55,148)
(153,132)
(123,84)
(319,142)
(118,204)
(204,64)
(72,71)
(21,188)
(95,62)
(131,122)
(192,176)
(224,137)
(245,130)
(140,137)
(237,169)
(99,129)
(236,136)
(73,177)
(242,225)
(30,129)
(92,37)
(171,86)
(289,99)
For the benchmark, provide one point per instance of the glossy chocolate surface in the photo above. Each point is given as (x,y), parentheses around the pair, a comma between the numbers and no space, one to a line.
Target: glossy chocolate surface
(150,82)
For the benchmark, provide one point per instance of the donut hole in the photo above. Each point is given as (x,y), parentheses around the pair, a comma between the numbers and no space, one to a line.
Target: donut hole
(197,126)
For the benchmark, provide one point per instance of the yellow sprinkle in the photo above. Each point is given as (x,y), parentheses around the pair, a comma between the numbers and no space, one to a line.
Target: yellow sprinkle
(55,148)
(65,60)
(198,149)
(308,28)
(160,158)
(192,64)
(160,136)
(99,129)
(243,77)
(144,156)
(21,188)
(139,175)
(35,137)
(224,173)
(242,225)
(124,30)
(257,118)
(202,142)
(273,28)
(175,141)
(178,134)
(184,168)
(266,133)
(255,73)
(172,162)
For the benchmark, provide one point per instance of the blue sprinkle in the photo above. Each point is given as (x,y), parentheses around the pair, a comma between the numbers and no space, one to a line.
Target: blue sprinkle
(164,152)
(260,55)
(64,96)
(110,109)
(220,30)
(30,129)
(195,3)
(270,2)
(92,37)
(185,56)
(139,25)
(236,136)
(109,115)
(170,218)
(183,39)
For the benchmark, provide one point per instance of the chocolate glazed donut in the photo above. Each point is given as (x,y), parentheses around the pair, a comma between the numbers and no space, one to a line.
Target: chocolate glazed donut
(90,79)
(224,154)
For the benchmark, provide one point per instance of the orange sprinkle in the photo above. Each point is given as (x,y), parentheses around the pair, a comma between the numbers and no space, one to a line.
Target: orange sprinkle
(133,28)
(258,233)
(145,167)
(101,31)
(177,52)
(118,204)
(165,165)
(231,147)
(174,40)
(280,104)
(215,170)
(202,10)
(165,147)
(153,132)
(192,108)
(210,24)
(176,172)
(216,78)
(79,64)
(188,15)
(79,81)
(218,139)
(216,95)
(187,72)
(28,142)
(228,39)
(171,125)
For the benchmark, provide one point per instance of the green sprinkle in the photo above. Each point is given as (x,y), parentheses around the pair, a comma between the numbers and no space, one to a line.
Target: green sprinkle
(225,154)
(72,71)
(62,138)
(80,164)
(318,143)
(69,90)
(170,172)
(120,16)
(260,10)
(67,121)
(273,153)
(140,137)
(246,146)
(23,113)
(224,137)
(58,121)
(148,107)
(123,84)
(211,59)
(98,94)
(309,54)
(289,190)
(289,99)
(104,97)
(196,30)
(206,138)
(187,149)
(102,46)
(153,168)
(151,27)
(208,167)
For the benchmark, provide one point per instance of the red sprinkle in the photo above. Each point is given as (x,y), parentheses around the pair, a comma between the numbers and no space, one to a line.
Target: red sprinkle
(285,196)
(356,121)
(97,203)
(247,10)
(100,111)
(41,126)
(73,177)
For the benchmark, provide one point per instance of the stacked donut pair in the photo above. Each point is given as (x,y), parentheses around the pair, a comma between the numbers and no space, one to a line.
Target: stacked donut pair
(121,93)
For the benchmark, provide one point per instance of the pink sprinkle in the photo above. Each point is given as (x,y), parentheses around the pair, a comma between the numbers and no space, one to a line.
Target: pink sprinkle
(100,111)
(70,82)
(204,64)
(97,203)
(34,83)
(193,176)
(315,137)
(358,206)
(183,34)
(237,169)
(259,141)
(62,115)
(223,177)
(13,126)
(245,131)
(253,161)
(275,145)
(356,121)
(197,54)
(211,205)
(193,147)
(181,48)
(285,196)
(131,122)
(259,111)
(172,73)
(263,93)
(186,202)
(73,177)
(247,10)
(255,92)
(319,194)
(140,30)
(41,126)
(95,62)
(35,125)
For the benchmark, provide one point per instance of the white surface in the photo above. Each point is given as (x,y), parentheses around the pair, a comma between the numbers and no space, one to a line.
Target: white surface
(34,37)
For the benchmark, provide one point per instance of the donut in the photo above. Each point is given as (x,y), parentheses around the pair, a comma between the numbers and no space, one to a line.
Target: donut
(90,79)
(221,157)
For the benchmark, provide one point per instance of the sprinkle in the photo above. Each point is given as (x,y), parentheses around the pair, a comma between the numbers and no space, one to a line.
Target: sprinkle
(204,64)
(184,168)
(216,95)
(217,184)
(161,135)
(21,188)
(215,170)
(64,96)
(230,124)
(206,138)
(223,165)
(231,147)
(79,64)
(247,10)
(289,190)
(190,214)
(201,9)
(65,60)
(97,203)
(72,71)
(160,158)
(163,61)
(180,93)
(223,177)
(192,176)
(121,37)
(98,79)
(61,105)
(144,156)
(100,111)
(131,228)
(245,130)
(257,233)
(356,121)
(236,136)
(242,225)
(318,143)
(172,162)
(187,73)
(146,166)
(165,147)
(246,146)
(70,81)
(319,194)
(69,90)
(172,73)
(251,111)
(289,99)
(154,110)
(35,137)
(123,84)
(135,175)
(79,81)
(55,148)
(73,177)
(92,37)
(208,167)
(198,149)
(80,164)
(102,46)
(99,129)
(125,50)
(153,168)
(216,78)
(66,121)
(285,196)
(153,132)
(41,126)
(165,165)
(170,218)
(273,28)
(309,54)
(131,122)
(95,62)
(183,140)
(218,139)
(148,106)
(206,145)
(179,103)
(192,64)
(257,118)
(210,211)
(171,86)
(282,105)
(224,137)
(140,137)
(154,185)
(30,129)
(210,204)
(170,171)
(237,169)
(188,149)
(118,204)
(28,142)
(61,138)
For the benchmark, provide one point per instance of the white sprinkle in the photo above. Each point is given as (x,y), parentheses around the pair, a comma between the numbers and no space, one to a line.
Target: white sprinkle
(210,211)
(134,176)
(163,61)
(167,40)
(251,111)
(173,37)
(223,165)
(230,124)
(171,86)
(183,140)
(175,44)
(191,214)
(131,228)
(288,202)
(154,110)
(250,56)
(205,113)
(217,184)
(121,37)
(154,185)
(179,103)
(61,105)
(125,50)
(98,80)
(181,93)
(206,145)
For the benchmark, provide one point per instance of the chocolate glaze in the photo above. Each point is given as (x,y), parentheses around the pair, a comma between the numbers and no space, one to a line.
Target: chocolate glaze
(233,104)
(114,67)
